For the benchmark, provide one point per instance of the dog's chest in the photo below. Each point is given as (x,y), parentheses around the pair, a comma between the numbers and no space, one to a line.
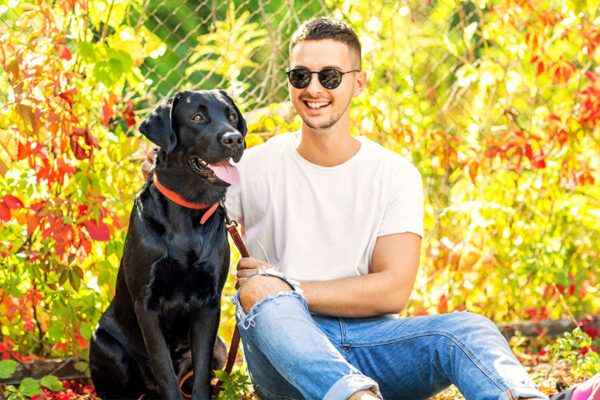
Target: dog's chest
(189,274)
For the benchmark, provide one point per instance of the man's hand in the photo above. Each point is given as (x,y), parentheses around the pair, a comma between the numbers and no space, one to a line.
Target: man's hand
(148,163)
(255,287)
(248,267)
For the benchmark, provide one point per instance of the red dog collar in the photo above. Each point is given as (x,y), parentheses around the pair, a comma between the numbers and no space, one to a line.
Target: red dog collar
(174,197)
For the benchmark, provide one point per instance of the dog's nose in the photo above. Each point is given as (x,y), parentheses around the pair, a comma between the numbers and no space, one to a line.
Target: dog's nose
(232,140)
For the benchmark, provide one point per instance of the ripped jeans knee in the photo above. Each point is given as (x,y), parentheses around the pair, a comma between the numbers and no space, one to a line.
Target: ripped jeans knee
(247,320)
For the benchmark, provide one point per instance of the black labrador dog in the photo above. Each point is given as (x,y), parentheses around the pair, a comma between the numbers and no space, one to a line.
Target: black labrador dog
(163,319)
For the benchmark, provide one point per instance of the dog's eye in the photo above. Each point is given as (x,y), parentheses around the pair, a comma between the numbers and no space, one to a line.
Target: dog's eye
(232,117)
(198,117)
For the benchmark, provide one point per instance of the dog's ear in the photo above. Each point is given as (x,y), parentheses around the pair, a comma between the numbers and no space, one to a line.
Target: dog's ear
(158,127)
(241,125)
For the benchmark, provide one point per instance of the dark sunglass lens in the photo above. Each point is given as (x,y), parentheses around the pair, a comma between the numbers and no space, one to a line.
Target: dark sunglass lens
(330,78)
(299,78)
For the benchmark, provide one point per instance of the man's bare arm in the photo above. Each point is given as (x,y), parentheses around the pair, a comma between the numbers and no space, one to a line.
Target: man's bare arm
(386,290)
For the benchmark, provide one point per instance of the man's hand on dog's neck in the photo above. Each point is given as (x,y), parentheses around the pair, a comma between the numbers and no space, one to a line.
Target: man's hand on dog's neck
(148,164)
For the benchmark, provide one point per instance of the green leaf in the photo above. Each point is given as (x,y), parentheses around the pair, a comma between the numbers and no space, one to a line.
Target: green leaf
(88,53)
(124,59)
(7,368)
(221,375)
(86,330)
(54,332)
(52,383)
(74,280)
(30,387)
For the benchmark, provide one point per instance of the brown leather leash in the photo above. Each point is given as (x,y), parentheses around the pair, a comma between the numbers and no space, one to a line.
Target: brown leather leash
(231,225)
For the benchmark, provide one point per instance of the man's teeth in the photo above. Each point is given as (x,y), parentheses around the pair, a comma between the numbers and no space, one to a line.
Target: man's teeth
(316,104)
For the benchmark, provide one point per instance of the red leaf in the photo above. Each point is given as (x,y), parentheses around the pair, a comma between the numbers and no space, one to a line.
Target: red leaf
(129,115)
(531,311)
(64,168)
(91,140)
(97,231)
(33,258)
(528,151)
(29,325)
(557,75)
(67,5)
(68,95)
(568,70)
(443,305)
(61,346)
(539,160)
(4,212)
(107,112)
(12,202)
(540,68)
(63,51)
(590,76)
(23,151)
(79,152)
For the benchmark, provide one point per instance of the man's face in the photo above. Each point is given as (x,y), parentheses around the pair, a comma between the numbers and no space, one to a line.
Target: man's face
(322,108)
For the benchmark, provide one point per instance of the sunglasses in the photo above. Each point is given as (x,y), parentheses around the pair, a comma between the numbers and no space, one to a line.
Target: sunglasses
(329,78)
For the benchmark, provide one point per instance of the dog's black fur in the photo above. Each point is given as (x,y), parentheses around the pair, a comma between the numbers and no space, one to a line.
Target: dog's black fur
(163,319)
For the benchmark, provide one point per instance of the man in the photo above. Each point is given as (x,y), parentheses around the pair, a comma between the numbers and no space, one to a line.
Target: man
(335,224)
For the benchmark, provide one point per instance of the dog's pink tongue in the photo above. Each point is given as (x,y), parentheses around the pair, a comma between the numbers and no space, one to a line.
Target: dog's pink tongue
(226,171)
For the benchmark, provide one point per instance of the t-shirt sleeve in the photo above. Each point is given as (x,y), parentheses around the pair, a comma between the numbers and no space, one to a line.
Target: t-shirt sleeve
(404,209)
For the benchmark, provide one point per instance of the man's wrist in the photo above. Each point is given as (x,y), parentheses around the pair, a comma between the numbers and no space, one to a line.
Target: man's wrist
(264,271)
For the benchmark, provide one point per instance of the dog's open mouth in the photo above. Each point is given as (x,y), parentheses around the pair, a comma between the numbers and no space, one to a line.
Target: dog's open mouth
(223,172)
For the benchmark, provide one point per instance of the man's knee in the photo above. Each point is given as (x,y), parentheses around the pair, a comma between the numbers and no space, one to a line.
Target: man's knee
(260,286)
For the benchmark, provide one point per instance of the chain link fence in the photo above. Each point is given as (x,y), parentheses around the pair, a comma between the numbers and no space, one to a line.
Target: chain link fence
(241,46)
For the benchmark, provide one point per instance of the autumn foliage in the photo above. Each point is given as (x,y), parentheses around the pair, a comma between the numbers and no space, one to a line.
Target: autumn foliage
(497,104)
(66,174)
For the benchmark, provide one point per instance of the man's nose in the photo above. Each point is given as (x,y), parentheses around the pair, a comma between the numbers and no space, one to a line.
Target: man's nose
(314,86)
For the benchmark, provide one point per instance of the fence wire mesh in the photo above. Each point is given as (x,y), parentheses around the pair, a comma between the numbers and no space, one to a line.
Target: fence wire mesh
(240,46)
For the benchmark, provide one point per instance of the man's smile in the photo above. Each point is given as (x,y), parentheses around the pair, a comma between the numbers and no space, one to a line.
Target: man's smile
(316,104)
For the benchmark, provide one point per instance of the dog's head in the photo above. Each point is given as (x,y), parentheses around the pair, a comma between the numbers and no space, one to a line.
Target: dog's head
(201,132)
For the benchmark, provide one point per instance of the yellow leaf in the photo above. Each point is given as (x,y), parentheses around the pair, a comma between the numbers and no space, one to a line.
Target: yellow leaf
(27,117)
(127,40)
(253,139)
(9,142)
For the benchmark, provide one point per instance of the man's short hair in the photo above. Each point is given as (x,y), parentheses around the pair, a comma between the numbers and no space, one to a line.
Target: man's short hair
(327,28)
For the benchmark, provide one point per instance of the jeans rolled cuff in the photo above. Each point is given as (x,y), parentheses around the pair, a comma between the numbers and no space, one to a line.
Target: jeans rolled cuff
(350,384)
(522,393)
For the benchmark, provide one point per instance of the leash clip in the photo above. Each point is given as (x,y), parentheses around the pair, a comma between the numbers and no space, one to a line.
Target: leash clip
(228,221)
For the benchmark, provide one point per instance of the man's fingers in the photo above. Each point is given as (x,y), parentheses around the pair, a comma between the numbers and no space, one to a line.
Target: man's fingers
(247,268)
(148,163)
(151,155)
(147,169)
(249,262)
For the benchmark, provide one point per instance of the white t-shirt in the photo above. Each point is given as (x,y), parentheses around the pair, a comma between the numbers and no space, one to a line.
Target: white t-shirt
(319,223)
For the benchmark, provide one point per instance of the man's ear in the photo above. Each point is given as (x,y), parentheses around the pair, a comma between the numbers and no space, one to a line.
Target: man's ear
(158,127)
(360,83)
(241,125)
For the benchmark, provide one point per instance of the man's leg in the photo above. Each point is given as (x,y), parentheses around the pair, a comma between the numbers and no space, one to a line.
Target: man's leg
(416,357)
(283,345)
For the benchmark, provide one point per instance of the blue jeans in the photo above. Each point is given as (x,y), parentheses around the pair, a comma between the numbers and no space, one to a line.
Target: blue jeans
(293,354)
